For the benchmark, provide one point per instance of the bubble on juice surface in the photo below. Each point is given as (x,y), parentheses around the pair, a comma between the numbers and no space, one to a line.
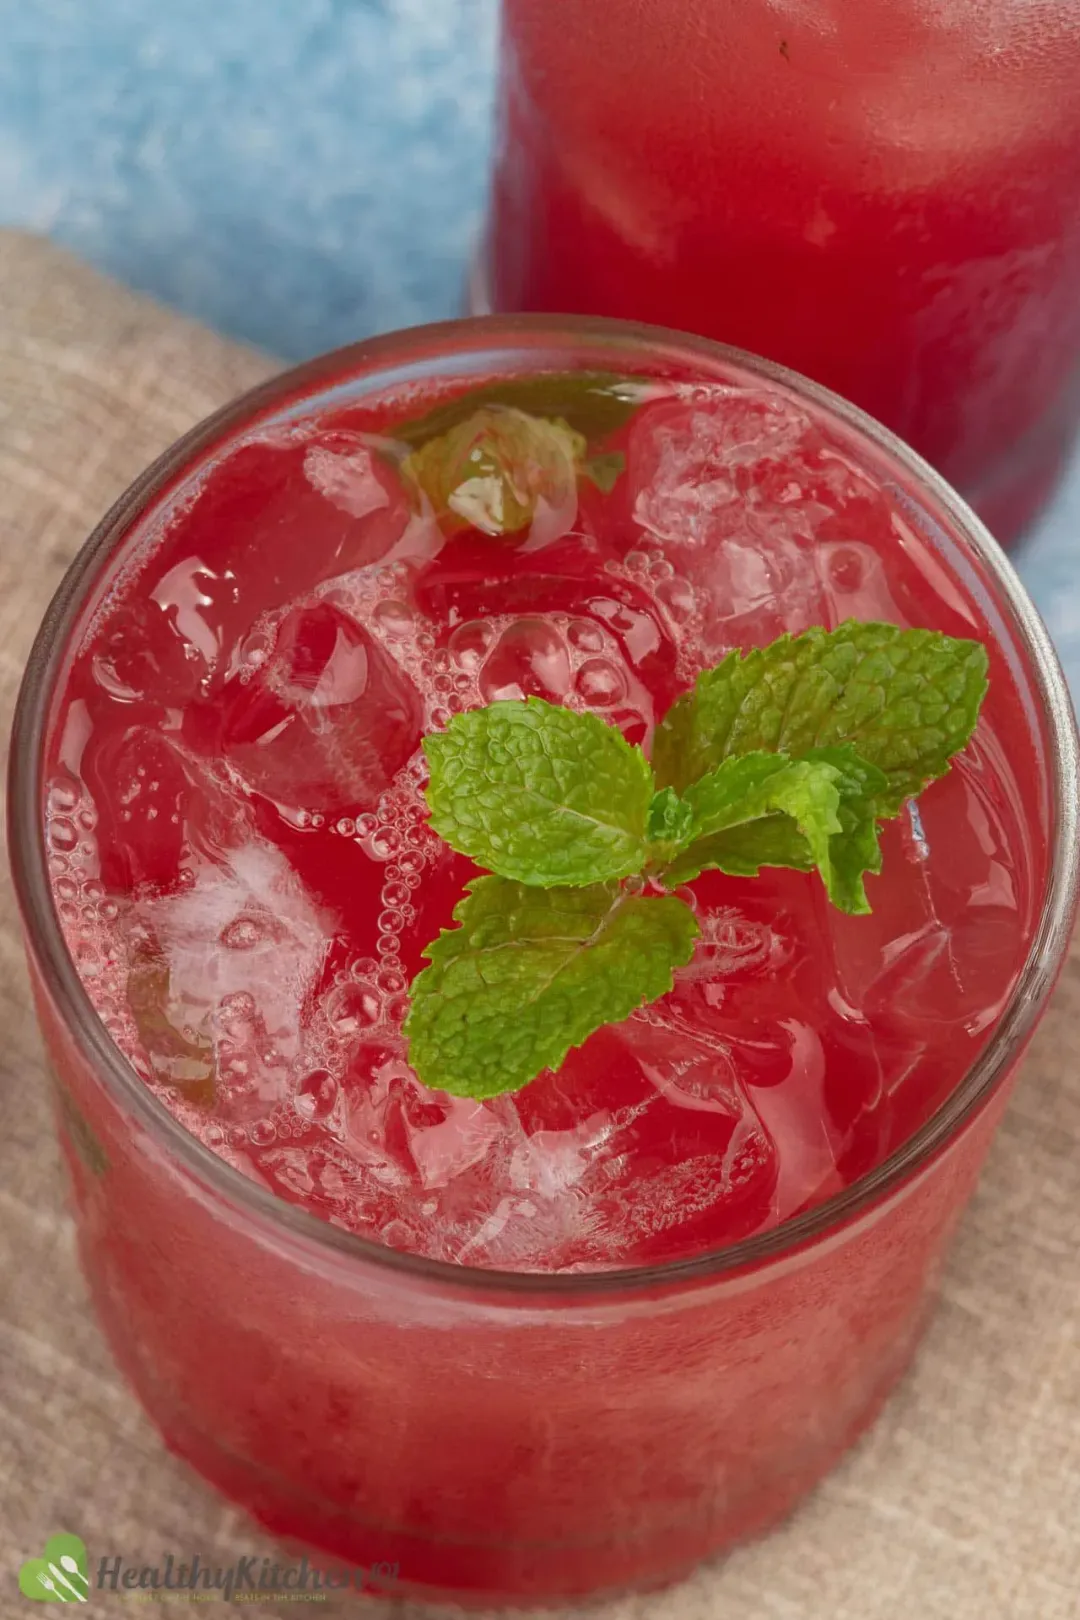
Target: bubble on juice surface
(854,583)
(352,1009)
(530,659)
(570,660)
(95,927)
(601,684)
(71,831)
(469,645)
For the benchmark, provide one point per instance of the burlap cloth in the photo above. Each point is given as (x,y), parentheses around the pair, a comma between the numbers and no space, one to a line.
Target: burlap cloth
(965,1499)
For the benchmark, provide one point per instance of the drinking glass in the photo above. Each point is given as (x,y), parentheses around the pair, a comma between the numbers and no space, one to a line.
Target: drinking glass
(514,1436)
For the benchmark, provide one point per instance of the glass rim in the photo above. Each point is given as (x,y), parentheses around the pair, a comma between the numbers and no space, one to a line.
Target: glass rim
(273,1214)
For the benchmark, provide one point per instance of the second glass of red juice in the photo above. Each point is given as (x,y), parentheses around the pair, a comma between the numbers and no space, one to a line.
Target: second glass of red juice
(572,1339)
(882,194)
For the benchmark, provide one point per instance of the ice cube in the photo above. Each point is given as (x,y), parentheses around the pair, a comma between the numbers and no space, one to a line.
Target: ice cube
(288,530)
(552,1163)
(242,947)
(655,1219)
(691,463)
(945,930)
(347,475)
(184,593)
(938,976)
(409,1136)
(716,1177)
(327,1178)
(431,1137)
(795,1116)
(644,1145)
(756,586)
(144,791)
(929,968)
(374,1137)
(436,1164)
(141,654)
(723,482)
(447,1148)
(160,807)
(346,469)
(328,720)
(689,1068)
(290,1171)
(180,1059)
(525,1233)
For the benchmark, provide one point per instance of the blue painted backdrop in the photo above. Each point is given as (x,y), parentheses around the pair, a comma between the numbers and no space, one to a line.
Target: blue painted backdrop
(296,172)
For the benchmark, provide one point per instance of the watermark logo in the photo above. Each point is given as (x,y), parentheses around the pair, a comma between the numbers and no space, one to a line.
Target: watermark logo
(60,1575)
(63,1574)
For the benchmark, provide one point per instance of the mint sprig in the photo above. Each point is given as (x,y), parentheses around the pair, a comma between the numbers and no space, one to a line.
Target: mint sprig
(500,468)
(593,403)
(790,755)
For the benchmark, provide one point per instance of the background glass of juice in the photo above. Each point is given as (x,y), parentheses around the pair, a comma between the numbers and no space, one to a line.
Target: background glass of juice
(882,194)
(498,1435)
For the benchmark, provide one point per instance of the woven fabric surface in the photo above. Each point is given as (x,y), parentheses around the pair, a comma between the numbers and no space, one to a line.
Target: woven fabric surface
(965,1498)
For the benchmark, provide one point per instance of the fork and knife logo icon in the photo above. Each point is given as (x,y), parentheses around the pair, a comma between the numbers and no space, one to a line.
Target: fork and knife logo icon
(60,1575)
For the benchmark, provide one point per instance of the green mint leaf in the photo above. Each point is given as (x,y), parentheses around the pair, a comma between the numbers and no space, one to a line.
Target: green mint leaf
(808,792)
(670,821)
(738,790)
(767,810)
(594,403)
(541,794)
(743,850)
(493,471)
(529,973)
(907,700)
(855,849)
(757,788)
(605,471)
